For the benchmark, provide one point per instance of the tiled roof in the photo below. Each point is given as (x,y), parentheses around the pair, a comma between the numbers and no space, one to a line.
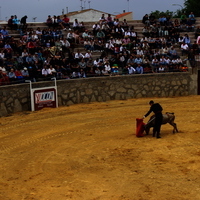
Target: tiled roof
(122,15)
(83,11)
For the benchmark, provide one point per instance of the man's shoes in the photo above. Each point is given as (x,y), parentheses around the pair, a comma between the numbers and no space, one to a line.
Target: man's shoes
(158,137)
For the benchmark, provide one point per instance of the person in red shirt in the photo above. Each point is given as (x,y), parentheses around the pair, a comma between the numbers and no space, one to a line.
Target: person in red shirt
(66,22)
(4,80)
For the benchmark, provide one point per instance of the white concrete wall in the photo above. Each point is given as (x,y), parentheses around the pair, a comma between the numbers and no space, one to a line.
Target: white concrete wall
(89,16)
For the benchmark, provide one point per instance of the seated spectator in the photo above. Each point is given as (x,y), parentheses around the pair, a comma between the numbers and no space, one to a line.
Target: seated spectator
(161,69)
(162,61)
(109,21)
(116,22)
(31,46)
(184,49)
(131,61)
(18,74)
(78,56)
(49,21)
(131,70)
(126,42)
(163,21)
(8,50)
(46,72)
(145,20)
(66,22)
(186,39)
(133,35)
(88,56)
(2,54)
(189,26)
(102,20)
(11,23)
(172,52)
(60,23)
(82,64)
(85,34)
(180,40)
(76,25)
(5,33)
(191,18)
(16,22)
(179,60)
(11,75)
(146,31)
(71,37)
(95,28)
(82,74)
(65,45)
(4,80)
(82,26)
(155,64)
(125,25)
(52,71)
(96,62)
(38,32)
(29,60)
(3,69)
(100,35)
(176,24)
(152,19)
(125,70)
(139,69)
(97,71)
(25,73)
(138,60)
(107,68)
(146,65)
(183,18)
(55,21)
(151,42)
(104,72)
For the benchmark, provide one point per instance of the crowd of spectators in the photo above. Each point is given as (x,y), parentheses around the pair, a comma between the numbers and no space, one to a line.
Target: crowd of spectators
(53,51)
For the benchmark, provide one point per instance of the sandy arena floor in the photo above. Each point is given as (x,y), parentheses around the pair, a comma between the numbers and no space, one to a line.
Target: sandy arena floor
(90,152)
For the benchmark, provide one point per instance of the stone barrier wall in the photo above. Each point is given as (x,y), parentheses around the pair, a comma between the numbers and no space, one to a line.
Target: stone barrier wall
(16,98)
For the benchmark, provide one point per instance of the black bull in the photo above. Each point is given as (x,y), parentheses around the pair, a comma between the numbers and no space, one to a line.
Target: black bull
(167,118)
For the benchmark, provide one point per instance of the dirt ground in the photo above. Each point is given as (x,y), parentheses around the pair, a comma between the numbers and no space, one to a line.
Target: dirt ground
(90,152)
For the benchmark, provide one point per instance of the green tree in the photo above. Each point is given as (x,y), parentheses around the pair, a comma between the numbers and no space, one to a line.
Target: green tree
(159,14)
(192,6)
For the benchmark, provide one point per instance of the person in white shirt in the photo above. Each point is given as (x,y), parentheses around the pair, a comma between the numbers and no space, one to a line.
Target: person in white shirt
(2,54)
(131,70)
(184,48)
(179,60)
(107,68)
(45,71)
(52,71)
(65,45)
(78,56)
(161,68)
(95,28)
(87,56)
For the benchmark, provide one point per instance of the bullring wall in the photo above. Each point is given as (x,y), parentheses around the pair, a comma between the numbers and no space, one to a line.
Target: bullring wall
(16,98)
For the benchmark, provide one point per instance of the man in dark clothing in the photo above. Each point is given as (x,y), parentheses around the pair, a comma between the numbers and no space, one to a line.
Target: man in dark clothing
(23,22)
(157,109)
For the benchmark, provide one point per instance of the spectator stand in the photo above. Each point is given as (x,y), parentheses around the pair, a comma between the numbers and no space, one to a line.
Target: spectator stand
(108,48)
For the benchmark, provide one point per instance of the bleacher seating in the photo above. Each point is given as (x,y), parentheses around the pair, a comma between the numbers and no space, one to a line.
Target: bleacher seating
(103,53)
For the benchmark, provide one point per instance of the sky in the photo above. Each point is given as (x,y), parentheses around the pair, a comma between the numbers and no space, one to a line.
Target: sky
(42,8)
